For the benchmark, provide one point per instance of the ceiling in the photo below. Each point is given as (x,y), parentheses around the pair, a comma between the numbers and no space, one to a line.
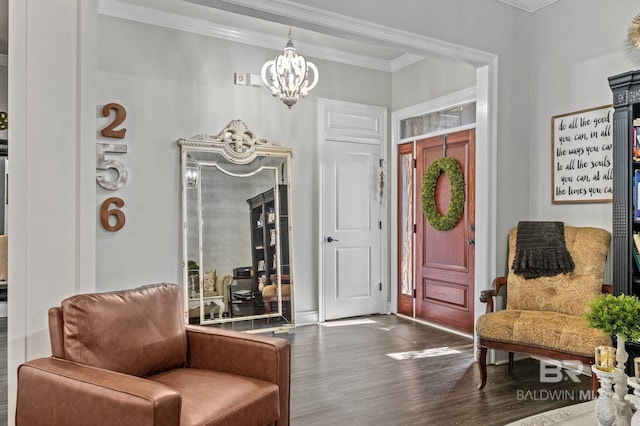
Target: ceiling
(197,18)
(187,16)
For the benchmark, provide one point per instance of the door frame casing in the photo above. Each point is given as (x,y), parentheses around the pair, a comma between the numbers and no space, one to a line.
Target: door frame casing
(444,102)
(485,180)
(486,64)
(323,106)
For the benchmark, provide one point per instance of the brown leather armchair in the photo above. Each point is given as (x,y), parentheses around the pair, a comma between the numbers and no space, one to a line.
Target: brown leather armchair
(127,358)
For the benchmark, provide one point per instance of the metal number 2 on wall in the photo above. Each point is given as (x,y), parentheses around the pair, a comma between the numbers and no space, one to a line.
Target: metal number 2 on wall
(115,166)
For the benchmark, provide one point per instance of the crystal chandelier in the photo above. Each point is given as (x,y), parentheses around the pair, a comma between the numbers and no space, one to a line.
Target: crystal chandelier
(287,76)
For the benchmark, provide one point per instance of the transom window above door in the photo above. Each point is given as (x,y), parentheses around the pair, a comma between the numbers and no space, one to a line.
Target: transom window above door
(435,121)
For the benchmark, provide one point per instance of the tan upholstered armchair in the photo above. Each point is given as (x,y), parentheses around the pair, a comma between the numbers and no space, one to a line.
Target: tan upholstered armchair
(126,358)
(545,316)
(216,293)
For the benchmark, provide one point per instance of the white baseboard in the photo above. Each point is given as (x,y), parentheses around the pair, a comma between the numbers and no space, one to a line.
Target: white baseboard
(307,318)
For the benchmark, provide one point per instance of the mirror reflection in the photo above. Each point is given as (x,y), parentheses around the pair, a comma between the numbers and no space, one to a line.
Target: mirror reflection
(236,232)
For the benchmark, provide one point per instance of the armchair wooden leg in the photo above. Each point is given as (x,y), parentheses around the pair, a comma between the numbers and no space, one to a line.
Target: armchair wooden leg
(482,364)
(510,362)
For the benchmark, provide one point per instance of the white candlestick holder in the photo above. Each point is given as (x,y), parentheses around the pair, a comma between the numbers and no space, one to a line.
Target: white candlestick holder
(634,399)
(612,406)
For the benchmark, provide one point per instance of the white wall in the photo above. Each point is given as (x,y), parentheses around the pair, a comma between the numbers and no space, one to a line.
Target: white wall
(489,26)
(175,84)
(51,191)
(577,45)
(429,79)
(553,61)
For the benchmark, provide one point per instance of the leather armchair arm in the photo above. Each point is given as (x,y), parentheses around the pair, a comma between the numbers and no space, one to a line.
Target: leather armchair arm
(486,296)
(57,391)
(244,354)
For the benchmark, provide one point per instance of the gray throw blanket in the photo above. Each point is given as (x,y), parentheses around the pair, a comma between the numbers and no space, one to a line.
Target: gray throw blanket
(541,250)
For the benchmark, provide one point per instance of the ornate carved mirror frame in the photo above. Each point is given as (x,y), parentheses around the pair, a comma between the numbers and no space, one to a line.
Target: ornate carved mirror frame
(237,253)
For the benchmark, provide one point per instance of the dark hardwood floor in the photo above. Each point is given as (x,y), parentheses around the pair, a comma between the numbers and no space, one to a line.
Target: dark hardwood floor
(343,376)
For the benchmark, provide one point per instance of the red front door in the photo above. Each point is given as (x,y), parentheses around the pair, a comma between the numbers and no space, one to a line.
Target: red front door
(445,259)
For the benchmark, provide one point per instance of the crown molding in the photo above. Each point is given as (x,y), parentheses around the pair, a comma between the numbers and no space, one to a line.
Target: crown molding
(528,5)
(404,61)
(290,13)
(147,15)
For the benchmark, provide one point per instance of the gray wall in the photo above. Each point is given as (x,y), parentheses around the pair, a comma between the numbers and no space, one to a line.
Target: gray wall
(428,79)
(553,61)
(577,45)
(176,84)
(490,26)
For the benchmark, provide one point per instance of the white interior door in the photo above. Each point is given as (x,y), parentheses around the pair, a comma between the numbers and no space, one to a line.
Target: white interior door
(352,141)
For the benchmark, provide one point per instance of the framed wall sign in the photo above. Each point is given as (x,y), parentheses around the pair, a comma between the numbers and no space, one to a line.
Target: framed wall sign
(582,156)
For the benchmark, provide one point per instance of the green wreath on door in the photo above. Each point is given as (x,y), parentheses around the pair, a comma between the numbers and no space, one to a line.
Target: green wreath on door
(451,168)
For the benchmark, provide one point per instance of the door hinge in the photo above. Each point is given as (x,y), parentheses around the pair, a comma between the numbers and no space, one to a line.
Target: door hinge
(415,228)
(415,163)
(414,293)
(380,224)
(380,286)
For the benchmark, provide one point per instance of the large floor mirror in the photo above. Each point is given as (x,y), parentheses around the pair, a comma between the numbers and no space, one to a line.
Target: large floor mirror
(237,253)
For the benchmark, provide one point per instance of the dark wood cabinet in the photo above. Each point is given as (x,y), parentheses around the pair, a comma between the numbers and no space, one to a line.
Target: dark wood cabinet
(626,102)
(626,166)
(266,246)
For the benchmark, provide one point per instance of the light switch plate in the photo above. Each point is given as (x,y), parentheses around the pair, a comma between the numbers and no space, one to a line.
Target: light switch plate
(254,80)
(240,79)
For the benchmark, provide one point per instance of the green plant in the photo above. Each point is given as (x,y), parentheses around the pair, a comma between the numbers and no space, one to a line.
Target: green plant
(192,267)
(451,168)
(616,315)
